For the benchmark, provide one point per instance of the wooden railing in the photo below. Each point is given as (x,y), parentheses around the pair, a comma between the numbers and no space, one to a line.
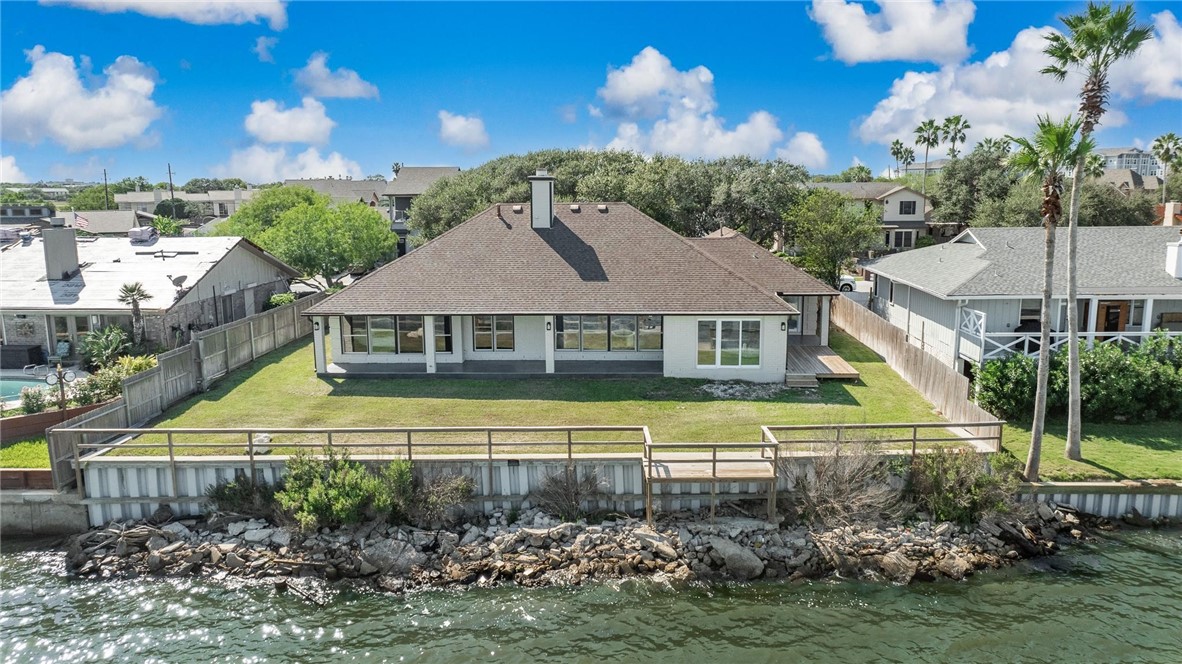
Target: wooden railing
(691,465)
(481,440)
(886,438)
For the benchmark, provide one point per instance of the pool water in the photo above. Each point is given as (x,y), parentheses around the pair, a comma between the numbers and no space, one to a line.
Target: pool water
(10,386)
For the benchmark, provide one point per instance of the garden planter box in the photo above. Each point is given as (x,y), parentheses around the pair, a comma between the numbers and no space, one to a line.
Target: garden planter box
(26,426)
(26,478)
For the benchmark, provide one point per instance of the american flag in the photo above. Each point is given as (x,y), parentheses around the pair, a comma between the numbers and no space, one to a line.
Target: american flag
(80,221)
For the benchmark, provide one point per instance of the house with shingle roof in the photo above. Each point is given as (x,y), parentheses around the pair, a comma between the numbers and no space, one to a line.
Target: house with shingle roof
(979,296)
(577,288)
(906,213)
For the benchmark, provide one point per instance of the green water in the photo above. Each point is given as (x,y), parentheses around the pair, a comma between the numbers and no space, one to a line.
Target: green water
(1116,600)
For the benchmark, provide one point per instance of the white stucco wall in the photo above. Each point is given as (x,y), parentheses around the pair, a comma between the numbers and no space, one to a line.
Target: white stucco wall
(681,351)
(529,338)
(890,208)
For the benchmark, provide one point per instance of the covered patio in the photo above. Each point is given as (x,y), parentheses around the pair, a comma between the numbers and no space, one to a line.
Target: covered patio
(501,369)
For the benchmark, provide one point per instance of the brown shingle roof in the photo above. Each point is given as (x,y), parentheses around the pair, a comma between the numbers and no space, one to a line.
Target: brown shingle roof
(619,261)
(757,264)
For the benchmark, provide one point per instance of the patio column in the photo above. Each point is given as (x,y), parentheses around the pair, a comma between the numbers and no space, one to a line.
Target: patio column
(549,345)
(1147,316)
(319,325)
(429,342)
(1093,305)
(824,321)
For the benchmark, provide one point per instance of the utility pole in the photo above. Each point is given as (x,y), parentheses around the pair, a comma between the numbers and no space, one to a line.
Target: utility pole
(106,192)
(171,193)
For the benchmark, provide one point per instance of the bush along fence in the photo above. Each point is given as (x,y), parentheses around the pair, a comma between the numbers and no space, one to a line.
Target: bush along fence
(179,373)
(947,390)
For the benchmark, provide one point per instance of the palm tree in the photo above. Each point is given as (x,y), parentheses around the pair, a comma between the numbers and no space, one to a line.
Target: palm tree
(927,134)
(1094,166)
(1044,158)
(906,157)
(1167,149)
(993,145)
(897,152)
(1096,39)
(953,130)
(131,295)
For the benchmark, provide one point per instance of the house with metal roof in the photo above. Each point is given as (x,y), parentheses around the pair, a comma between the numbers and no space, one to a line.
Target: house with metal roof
(55,287)
(979,296)
(906,213)
(577,288)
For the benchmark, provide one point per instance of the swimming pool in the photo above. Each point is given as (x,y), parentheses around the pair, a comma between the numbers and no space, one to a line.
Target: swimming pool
(10,386)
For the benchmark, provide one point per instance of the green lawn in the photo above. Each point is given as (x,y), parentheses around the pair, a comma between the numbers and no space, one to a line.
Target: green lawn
(1151,450)
(25,453)
(281,390)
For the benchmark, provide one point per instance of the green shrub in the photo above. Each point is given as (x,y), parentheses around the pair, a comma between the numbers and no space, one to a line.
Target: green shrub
(101,347)
(435,499)
(924,241)
(961,485)
(280,299)
(1006,387)
(243,496)
(334,490)
(35,399)
(107,383)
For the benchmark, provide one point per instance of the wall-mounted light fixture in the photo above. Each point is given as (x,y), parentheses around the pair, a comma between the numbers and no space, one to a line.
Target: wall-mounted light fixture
(783,326)
(548,325)
(316,325)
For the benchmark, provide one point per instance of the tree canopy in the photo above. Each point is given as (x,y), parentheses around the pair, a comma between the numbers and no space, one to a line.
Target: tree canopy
(264,210)
(176,209)
(205,185)
(324,241)
(1101,205)
(93,198)
(980,176)
(829,228)
(691,197)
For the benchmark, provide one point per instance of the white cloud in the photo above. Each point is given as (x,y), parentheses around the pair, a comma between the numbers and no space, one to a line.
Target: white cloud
(1004,93)
(263,46)
(913,30)
(318,80)
(568,113)
(594,111)
(270,122)
(680,106)
(10,172)
(805,148)
(52,102)
(462,131)
(90,170)
(259,163)
(207,12)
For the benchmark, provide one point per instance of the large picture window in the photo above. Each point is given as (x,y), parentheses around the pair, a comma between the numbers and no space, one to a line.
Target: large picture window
(728,343)
(382,334)
(492,332)
(597,332)
(355,334)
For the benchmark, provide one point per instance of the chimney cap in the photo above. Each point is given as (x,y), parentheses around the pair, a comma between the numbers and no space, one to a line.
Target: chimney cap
(542,174)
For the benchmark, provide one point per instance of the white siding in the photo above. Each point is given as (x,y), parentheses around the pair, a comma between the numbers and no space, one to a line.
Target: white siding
(529,341)
(890,211)
(1000,315)
(681,351)
(238,270)
(932,325)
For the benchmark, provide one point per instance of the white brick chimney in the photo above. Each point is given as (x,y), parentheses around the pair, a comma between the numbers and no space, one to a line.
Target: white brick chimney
(541,199)
(61,250)
(1173,209)
(1174,258)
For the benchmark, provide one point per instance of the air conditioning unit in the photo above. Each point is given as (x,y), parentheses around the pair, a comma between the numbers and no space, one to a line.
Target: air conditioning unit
(141,234)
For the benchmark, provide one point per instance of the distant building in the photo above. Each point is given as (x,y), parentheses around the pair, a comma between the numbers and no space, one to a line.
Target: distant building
(215,203)
(344,190)
(1126,180)
(409,182)
(905,211)
(934,166)
(1134,159)
(19,214)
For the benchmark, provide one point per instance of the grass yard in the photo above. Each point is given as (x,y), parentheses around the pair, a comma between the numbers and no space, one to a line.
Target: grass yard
(1151,450)
(25,453)
(281,390)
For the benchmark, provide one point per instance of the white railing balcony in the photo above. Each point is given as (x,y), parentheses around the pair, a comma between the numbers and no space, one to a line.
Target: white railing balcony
(1000,344)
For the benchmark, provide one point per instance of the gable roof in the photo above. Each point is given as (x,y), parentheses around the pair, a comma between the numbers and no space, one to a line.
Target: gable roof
(108,263)
(619,261)
(108,222)
(343,190)
(987,262)
(1127,178)
(872,191)
(732,248)
(414,180)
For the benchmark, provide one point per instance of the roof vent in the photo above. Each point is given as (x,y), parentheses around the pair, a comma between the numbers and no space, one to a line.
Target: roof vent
(603,208)
(575,207)
(517,209)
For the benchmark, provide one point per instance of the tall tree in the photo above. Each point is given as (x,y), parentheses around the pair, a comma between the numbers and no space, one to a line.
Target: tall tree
(324,241)
(980,177)
(92,198)
(858,173)
(906,157)
(1167,149)
(927,134)
(1096,39)
(1044,158)
(897,153)
(829,229)
(1094,166)
(262,211)
(994,145)
(953,131)
(132,294)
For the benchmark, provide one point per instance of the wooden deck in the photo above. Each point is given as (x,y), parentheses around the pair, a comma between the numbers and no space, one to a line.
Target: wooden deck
(819,361)
(700,468)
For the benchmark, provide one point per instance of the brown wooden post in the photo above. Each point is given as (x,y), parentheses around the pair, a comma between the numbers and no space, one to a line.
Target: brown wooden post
(250,454)
(914,440)
(409,453)
(77,461)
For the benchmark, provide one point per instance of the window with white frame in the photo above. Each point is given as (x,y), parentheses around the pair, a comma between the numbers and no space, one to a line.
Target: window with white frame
(1030,311)
(443,334)
(906,207)
(728,343)
(597,332)
(492,332)
(382,334)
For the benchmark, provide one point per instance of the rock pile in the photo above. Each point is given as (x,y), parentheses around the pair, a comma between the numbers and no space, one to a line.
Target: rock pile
(537,550)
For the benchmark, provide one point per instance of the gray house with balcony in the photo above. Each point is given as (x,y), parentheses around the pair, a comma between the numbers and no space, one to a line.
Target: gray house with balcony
(979,296)
(593,289)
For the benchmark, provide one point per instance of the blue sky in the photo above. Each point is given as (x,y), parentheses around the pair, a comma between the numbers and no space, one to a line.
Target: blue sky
(266,90)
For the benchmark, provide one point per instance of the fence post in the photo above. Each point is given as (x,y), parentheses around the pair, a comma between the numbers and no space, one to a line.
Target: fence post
(914,436)
(250,454)
(226,336)
(274,329)
(250,328)
(172,464)
(409,448)
(77,463)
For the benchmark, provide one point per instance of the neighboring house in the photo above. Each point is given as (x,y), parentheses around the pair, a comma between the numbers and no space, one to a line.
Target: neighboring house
(57,287)
(978,297)
(1169,214)
(906,213)
(409,182)
(345,190)
(577,288)
(1136,159)
(215,203)
(24,215)
(934,167)
(1127,180)
(47,193)
(107,222)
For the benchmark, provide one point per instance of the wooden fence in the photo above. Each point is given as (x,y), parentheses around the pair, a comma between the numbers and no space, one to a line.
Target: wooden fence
(937,382)
(179,373)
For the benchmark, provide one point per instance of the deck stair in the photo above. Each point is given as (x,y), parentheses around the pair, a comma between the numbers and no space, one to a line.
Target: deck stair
(710,463)
(802,380)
